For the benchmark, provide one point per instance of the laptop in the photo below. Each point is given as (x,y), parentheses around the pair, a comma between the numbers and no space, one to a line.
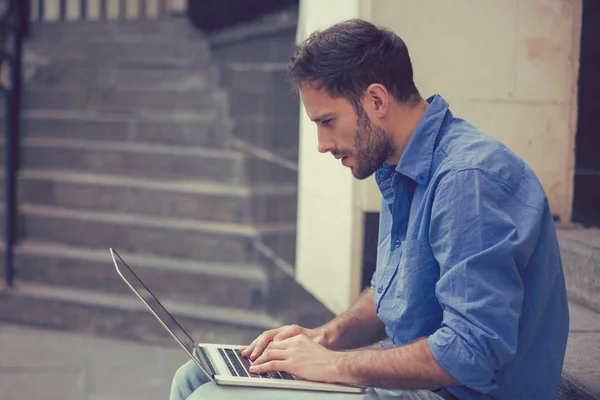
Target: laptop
(223,364)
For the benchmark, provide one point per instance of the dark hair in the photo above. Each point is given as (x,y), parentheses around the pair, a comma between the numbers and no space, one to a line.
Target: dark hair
(348,57)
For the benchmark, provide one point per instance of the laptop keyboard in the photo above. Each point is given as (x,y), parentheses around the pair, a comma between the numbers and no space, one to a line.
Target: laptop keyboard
(238,365)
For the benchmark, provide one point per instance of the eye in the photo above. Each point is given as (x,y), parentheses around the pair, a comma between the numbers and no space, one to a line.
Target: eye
(327,122)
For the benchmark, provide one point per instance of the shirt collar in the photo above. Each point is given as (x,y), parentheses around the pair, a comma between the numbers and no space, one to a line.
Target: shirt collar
(416,160)
(384,178)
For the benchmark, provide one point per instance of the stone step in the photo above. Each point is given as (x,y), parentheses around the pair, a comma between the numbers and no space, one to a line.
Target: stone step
(580,252)
(208,201)
(180,34)
(193,129)
(581,372)
(38,56)
(119,100)
(131,159)
(167,237)
(164,29)
(125,316)
(101,50)
(74,76)
(224,285)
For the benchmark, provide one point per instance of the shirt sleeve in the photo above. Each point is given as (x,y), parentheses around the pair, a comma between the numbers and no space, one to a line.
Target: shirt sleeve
(480,235)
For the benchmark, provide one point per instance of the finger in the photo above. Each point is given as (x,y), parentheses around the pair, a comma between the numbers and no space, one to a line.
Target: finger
(262,342)
(270,355)
(276,365)
(319,339)
(248,350)
(259,348)
(281,345)
(302,339)
(292,331)
(291,341)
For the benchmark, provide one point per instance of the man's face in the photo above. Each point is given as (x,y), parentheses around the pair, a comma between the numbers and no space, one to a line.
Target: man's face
(349,136)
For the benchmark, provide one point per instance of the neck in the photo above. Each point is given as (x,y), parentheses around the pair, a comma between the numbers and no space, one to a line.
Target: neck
(403,121)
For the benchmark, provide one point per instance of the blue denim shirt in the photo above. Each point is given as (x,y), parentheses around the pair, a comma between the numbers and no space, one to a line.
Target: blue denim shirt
(468,257)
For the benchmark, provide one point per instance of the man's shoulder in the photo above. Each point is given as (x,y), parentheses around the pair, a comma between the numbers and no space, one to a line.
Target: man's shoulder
(465,147)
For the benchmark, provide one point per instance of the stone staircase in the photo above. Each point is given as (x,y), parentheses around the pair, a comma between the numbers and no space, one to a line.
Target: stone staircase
(126,143)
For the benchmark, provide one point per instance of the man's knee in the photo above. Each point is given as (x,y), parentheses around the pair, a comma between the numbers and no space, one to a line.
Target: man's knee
(187,378)
(182,372)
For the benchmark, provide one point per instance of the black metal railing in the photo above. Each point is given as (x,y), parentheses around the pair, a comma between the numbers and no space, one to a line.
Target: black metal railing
(84,10)
(14,28)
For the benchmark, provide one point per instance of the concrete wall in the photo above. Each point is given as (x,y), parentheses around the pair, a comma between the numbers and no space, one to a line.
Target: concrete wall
(328,246)
(252,60)
(509,67)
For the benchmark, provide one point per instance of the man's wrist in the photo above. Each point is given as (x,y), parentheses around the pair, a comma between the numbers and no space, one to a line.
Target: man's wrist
(340,367)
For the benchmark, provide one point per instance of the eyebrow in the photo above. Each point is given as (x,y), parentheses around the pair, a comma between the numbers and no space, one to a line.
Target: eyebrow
(321,118)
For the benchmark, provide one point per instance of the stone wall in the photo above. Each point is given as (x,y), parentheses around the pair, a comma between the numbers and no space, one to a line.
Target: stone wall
(252,59)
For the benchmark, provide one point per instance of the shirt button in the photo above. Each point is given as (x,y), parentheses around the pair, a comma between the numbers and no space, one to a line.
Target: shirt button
(380,289)
(397,243)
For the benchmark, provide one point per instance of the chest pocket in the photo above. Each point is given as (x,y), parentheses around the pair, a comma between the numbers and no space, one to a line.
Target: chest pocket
(409,306)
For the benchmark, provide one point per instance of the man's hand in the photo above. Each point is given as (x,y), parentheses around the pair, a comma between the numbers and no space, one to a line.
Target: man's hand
(358,326)
(257,347)
(300,356)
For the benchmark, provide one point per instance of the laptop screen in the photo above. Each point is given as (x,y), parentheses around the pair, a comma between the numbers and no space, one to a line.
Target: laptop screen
(157,308)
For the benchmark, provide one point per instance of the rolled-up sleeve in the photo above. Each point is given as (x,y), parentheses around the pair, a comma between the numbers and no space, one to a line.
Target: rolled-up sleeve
(479,238)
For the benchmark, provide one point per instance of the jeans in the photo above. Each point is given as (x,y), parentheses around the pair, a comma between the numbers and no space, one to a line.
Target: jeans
(190,383)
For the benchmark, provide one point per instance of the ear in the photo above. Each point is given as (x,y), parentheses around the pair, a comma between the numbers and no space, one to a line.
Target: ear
(377,100)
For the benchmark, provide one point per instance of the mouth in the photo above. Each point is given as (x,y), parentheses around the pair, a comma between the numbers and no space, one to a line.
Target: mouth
(343,157)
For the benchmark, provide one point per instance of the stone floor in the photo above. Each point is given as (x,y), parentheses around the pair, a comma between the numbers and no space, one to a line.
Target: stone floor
(53,365)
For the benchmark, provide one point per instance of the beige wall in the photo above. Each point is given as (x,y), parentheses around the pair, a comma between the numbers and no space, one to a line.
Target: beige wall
(329,212)
(509,67)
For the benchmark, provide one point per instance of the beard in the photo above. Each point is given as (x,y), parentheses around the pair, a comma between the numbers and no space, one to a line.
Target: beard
(372,146)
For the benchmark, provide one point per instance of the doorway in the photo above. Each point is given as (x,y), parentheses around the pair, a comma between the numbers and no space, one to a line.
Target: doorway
(586,201)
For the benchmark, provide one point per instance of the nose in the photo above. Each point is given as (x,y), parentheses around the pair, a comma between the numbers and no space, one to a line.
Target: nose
(325,143)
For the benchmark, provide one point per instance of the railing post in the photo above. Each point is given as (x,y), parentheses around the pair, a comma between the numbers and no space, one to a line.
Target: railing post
(13,116)
(24,16)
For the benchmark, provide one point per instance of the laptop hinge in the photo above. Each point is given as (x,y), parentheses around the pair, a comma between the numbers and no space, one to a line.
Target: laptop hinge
(205,359)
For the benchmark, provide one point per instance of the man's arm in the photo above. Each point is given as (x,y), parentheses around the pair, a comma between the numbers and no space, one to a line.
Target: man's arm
(406,367)
(356,327)
(411,366)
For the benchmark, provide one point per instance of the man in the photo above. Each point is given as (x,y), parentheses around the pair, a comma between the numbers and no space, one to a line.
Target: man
(469,284)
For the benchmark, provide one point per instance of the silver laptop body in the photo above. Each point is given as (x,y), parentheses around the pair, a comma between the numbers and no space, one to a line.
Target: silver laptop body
(222,364)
